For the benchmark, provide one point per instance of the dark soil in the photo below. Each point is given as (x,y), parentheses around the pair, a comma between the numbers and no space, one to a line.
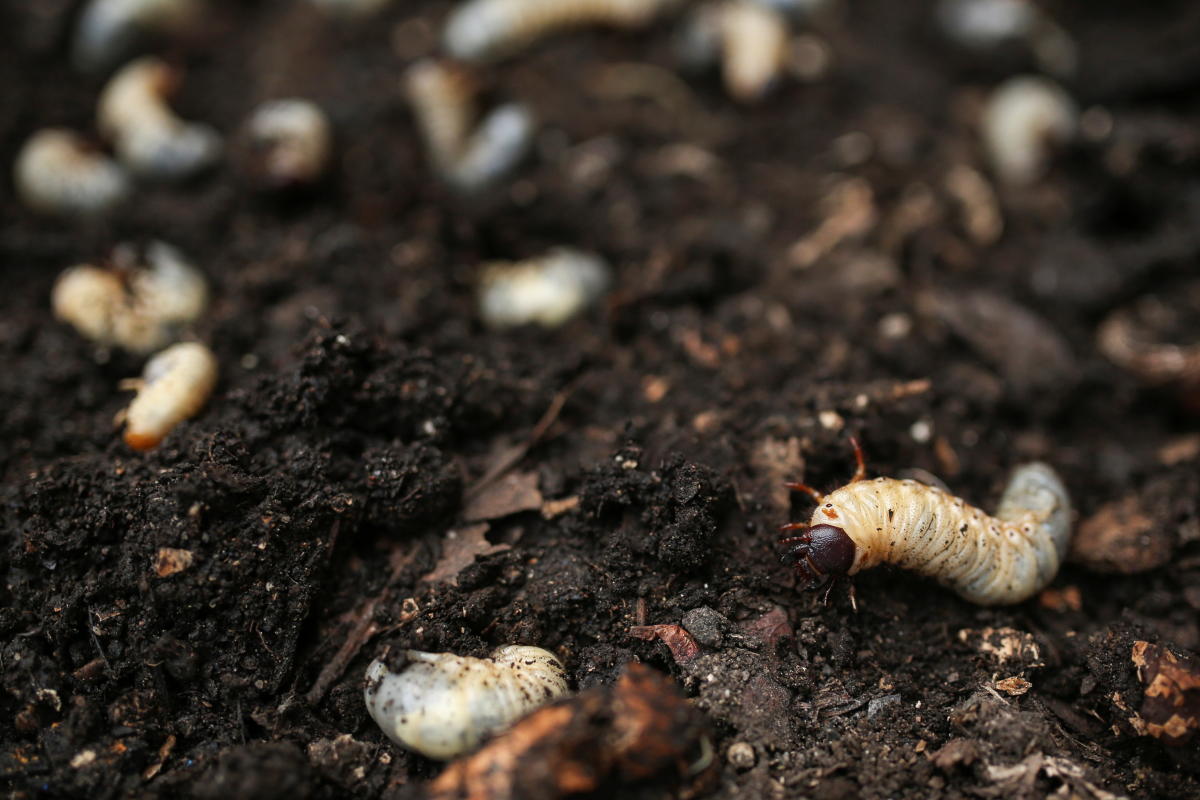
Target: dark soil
(362,405)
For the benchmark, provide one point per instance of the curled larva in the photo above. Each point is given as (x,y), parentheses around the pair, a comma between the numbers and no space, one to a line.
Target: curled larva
(547,290)
(481,29)
(990,560)
(1024,119)
(147,135)
(107,29)
(288,143)
(443,96)
(443,705)
(174,385)
(140,304)
(56,172)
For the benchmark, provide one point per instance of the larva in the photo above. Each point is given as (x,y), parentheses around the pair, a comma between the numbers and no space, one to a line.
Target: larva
(751,38)
(109,28)
(138,305)
(547,290)
(989,560)
(1024,119)
(482,29)
(56,172)
(174,385)
(443,705)
(288,143)
(147,135)
(442,95)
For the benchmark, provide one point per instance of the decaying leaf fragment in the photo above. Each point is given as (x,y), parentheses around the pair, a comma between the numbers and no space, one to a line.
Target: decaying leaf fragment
(1170,709)
(638,729)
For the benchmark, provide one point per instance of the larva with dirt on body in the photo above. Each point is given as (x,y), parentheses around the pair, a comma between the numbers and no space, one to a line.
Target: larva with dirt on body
(483,29)
(175,384)
(443,705)
(989,560)
(109,29)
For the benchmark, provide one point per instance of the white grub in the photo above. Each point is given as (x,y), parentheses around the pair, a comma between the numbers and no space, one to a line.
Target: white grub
(1024,119)
(351,9)
(547,290)
(751,38)
(984,25)
(174,386)
(57,172)
(443,95)
(139,307)
(108,29)
(443,705)
(147,135)
(754,48)
(482,29)
(289,143)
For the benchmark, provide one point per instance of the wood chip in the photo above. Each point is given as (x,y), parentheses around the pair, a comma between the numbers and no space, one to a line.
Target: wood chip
(171,560)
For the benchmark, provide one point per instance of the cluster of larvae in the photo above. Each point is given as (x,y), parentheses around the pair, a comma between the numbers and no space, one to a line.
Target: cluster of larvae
(442,705)
(142,303)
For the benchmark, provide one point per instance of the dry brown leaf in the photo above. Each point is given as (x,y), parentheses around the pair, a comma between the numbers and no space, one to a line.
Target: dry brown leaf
(459,550)
(513,493)
(1171,701)
(681,643)
(171,560)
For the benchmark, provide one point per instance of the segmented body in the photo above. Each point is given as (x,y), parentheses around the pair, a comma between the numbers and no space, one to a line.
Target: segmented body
(483,29)
(443,705)
(990,560)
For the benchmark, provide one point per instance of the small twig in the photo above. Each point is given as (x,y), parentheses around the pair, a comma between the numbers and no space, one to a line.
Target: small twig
(513,455)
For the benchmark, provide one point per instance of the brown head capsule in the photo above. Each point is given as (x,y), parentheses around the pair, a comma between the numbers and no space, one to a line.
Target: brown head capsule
(57,172)
(147,135)
(174,386)
(990,560)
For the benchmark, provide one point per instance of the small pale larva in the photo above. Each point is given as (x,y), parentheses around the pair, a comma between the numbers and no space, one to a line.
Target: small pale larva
(443,705)
(1024,119)
(443,95)
(548,290)
(175,384)
(288,143)
(750,37)
(141,304)
(107,29)
(147,135)
(482,29)
(989,560)
(56,172)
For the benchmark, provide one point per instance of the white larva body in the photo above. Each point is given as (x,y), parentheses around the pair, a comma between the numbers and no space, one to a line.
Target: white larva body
(1025,117)
(443,705)
(108,28)
(56,172)
(481,29)
(547,290)
(990,560)
(175,384)
(291,140)
(754,47)
(442,96)
(139,307)
(147,135)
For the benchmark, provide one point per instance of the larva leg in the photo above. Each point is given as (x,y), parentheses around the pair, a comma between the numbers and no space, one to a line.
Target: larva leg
(793,526)
(860,471)
(811,492)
